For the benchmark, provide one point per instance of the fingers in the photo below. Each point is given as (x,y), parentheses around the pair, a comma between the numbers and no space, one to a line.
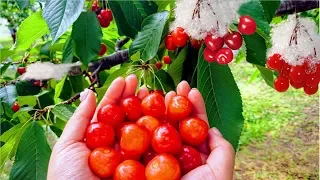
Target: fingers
(131,83)
(143,92)
(183,88)
(168,97)
(75,129)
(199,108)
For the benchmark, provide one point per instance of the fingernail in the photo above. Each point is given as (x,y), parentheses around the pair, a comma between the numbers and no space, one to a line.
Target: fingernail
(84,94)
(216,131)
(194,89)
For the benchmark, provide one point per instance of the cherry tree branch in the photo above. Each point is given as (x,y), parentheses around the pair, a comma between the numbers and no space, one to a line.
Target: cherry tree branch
(292,6)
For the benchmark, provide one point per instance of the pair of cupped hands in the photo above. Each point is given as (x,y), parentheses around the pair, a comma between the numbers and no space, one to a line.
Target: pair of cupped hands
(69,158)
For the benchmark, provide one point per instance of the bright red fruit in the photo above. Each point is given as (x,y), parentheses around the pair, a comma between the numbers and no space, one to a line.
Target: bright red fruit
(148,156)
(166,139)
(134,139)
(297,85)
(158,91)
(179,108)
(233,40)
(22,70)
(189,159)
(103,49)
(169,43)
(158,65)
(167,59)
(281,84)
(297,74)
(132,107)
(209,55)
(247,25)
(119,128)
(179,37)
(153,105)
(285,71)
(163,167)
(310,90)
(196,44)
(95,6)
(15,107)
(111,114)
(37,83)
(312,80)
(275,62)
(99,135)
(193,131)
(224,56)
(104,161)
(103,22)
(106,14)
(130,170)
(214,42)
(148,122)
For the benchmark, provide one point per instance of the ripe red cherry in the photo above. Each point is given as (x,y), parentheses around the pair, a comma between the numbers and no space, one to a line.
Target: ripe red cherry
(312,80)
(153,105)
(148,156)
(111,114)
(193,131)
(166,139)
(285,69)
(169,43)
(310,90)
(125,155)
(214,42)
(297,74)
(103,22)
(297,85)
(189,159)
(281,84)
(21,70)
(37,83)
(158,91)
(106,14)
(99,135)
(132,107)
(129,170)
(148,122)
(95,6)
(104,161)
(247,25)
(275,62)
(119,128)
(179,108)
(233,40)
(103,49)
(224,56)
(167,59)
(209,55)
(196,44)
(158,65)
(163,167)
(179,37)
(15,107)
(134,139)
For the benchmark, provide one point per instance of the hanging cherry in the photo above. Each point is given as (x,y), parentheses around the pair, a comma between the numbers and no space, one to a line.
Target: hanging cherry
(233,40)
(247,25)
(224,56)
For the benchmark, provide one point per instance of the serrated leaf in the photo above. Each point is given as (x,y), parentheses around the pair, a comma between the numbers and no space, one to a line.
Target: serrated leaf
(270,8)
(60,15)
(5,137)
(5,53)
(267,75)
(77,83)
(27,100)
(222,99)
(87,35)
(25,88)
(256,49)
(4,67)
(148,39)
(63,90)
(63,111)
(8,94)
(21,112)
(32,155)
(22,4)
(175,69)
(30,30)
(68,50)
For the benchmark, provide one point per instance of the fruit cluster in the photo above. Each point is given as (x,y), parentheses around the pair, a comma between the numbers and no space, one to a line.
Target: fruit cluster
(306,76)
(104,15)
(137,139)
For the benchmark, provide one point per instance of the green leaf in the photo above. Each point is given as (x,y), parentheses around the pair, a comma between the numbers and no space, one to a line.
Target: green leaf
(25,88)
(63,111)
(8,94)
(5,53)
(21,112)
(27,100)
(175,69)
(30,30)
(222,99)
(22,4)
(164,81)
(33,154)
(5,137)
(60,15)
(267,75)
(68,50)
(63,89)
(45,52)
(4,67)
(87,35)
(148,39)
(256,49)
(270,8)
(77,83)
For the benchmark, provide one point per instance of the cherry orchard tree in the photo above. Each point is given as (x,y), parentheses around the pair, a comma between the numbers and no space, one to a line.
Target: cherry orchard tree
(162,42)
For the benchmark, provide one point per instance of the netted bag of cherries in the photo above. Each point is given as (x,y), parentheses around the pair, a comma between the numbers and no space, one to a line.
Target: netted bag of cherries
(144,139)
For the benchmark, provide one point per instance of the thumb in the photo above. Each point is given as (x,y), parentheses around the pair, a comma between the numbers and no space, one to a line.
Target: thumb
(75,129)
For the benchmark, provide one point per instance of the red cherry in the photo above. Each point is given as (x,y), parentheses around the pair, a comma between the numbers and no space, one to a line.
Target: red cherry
(297,74)
(153,105)
(148,122)
(166,139)
(169,43)
(180,37)
(103,49)
(193,131)
(128,156)
(312,80)
(196,44)
(158,65)
(209,55)
(275,62)
(132,107)
(189,159)
(95,6)
(158,91)
(37,83)
(233,40)
(214,42)
(21,70)
(247,25)
(179,108)
(281,84)
(285,69)
(224,56)
(15,107)
(318,70)
(103,22)
(129,170)
(99,135)
(297,85)
(148,156)
(310,90)
(106,14)
(119,128)
(167,59)
(111,114)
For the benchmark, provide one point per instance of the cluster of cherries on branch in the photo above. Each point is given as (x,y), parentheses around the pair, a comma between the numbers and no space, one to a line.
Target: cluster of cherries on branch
(137,139)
